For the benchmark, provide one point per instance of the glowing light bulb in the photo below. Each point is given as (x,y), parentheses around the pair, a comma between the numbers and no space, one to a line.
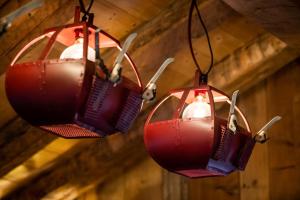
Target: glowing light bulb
(198,109)
(75,51)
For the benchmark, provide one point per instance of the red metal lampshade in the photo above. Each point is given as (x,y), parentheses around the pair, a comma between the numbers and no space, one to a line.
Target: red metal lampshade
(197,143)
(64,96)
(188,133)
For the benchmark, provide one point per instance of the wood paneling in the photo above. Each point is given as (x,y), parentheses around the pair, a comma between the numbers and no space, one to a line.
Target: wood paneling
(252,62)
(175,187)
(254,181)
(226,188)
(280,17)
(273,170)
(143,181)
(283,94)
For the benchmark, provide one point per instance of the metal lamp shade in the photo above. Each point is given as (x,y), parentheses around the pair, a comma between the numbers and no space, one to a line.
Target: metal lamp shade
(196,147)
(64,96)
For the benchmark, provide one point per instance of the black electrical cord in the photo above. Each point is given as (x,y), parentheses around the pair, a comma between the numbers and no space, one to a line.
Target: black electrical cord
(85,11)
(195,6)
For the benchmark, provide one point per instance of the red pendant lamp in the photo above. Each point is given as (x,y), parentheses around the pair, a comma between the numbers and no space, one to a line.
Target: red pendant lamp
(187,132)
(68,90)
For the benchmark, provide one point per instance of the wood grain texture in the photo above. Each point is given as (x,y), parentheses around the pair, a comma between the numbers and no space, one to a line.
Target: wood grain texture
(254,181)
(18,142)
(214,188)
(273,172)
(175,187)
(28,27)
(6,7)
(280,17)
(7,113)
(252,63)
(283,92)
(142,181)
(120,18)
(92,161)
(167,37)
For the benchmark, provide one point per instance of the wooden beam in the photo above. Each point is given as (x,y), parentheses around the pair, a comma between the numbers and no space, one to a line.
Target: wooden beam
(281,17)
(153,39)
(142,181)
(9,130)
(27,27)
(99,166)
(252,63)
(284,145)
(4,105)
(18,141)
(6,7)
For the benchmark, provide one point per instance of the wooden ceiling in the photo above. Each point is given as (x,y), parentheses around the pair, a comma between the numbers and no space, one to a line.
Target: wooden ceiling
(246,51)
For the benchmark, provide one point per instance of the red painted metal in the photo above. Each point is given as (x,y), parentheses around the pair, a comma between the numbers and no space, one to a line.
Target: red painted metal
(65,96)
(199,147)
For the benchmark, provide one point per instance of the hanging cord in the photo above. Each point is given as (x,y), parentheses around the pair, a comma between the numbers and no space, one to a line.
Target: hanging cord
(203,76)
(85,11)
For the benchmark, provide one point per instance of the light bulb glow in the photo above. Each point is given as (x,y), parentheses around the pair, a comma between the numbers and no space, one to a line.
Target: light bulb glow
(198,109)
(75,51)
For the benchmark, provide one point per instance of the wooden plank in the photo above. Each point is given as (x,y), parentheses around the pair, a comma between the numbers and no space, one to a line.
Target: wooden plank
(54,13)
(10,6)
(254,181)
(101,163)
(14,128)
(153,44)
(6,111)
(175,187)
(283,99)
(214,188)
(281,17)
(35,164)
(19,141)
(143,181)
(170,25)
(253,62)
(113,19)
(144,10)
